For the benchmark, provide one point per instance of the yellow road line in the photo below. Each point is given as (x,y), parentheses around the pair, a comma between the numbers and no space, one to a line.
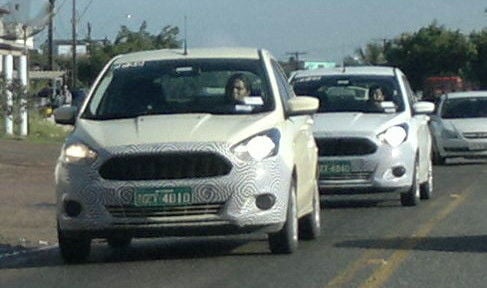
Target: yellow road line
(347,274)
(384,272)
(351,270)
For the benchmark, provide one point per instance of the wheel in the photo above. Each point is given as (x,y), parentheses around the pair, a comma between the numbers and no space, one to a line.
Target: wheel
(411,198)
(74,249)
(285,241)
(437,159)
(119,241)
(310,225)
(426,188)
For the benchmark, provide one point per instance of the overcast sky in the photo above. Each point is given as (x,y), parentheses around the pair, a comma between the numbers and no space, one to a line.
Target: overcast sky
(324,29)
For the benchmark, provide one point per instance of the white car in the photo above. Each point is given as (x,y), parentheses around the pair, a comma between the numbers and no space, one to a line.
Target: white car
(459,126)
(368,146)
(159,149)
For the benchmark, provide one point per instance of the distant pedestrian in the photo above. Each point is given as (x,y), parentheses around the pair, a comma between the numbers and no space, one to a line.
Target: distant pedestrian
(68,97)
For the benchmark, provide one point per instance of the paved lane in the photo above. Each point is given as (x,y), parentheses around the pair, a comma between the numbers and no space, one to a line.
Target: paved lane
(367,241)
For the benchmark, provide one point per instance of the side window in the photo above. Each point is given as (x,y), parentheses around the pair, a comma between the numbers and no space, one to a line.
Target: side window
(409,91)
(284,89)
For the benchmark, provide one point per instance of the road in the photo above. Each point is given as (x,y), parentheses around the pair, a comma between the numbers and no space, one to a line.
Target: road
(367,241)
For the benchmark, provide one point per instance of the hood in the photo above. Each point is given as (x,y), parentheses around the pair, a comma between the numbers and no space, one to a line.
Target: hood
(354,123)
(466,125)
(171,129)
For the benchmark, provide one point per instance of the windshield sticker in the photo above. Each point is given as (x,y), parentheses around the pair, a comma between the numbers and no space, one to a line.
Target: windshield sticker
(256,101)
(127,65)
(308,78)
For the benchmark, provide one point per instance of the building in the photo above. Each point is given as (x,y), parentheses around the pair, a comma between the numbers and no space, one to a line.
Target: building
(64,47)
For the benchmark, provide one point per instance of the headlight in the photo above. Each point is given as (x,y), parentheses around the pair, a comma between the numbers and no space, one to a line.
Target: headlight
(446,133)
(76,152)
(258,147)
(394,136)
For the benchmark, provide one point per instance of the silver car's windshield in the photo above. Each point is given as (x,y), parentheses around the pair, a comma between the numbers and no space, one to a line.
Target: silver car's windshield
(474,107)
(172,87)
(350,93)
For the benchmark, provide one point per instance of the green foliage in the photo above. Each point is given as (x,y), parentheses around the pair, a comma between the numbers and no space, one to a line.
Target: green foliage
(478,67)
(39,128)
(42,129)
(373,54)
(433,50)
(99,53)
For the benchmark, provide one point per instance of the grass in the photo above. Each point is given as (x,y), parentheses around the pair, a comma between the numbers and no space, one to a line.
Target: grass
(40,130)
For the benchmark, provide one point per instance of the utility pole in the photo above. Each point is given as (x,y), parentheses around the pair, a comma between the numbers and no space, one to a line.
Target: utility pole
(50,36)
(296,54)
(74,64)
(296,57)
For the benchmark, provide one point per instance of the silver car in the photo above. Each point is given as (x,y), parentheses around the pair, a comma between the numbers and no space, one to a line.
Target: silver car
(371,132)
(459,126)
(168,143)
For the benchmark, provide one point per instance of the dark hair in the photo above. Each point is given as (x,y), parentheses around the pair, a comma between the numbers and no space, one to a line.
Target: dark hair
(372,90)
(237,76)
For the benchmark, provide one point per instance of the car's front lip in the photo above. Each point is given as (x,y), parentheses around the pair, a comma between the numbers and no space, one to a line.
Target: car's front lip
(462,147)
(372,172)
(235,192)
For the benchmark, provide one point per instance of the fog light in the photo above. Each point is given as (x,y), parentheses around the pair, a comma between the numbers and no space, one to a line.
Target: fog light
(72,208)
(398,171)
(265,201)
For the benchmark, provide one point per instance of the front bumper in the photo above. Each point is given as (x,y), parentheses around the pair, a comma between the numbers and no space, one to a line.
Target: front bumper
(220,205)
(372,173)
(462,147)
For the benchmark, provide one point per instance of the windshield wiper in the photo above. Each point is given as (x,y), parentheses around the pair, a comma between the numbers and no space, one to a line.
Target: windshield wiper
(113,116)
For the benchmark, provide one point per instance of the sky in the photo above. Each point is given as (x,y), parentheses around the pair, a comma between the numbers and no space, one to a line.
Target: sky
(326,30)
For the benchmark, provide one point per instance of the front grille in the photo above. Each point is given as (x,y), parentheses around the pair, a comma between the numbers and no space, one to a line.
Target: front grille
(475,135)
(456,149)
(168,211)
(345,146)
(165,166)
(348,176)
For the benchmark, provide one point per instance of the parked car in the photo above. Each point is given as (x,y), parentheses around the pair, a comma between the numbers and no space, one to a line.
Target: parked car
(459,126)
(368,146)
(158,149)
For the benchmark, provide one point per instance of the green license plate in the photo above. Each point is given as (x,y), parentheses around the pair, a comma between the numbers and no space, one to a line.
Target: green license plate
(153,197)
(335,167)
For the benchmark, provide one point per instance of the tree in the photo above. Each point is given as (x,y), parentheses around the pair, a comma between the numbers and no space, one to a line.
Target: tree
(126,41)
(433,50)
(479,60)
(373,54)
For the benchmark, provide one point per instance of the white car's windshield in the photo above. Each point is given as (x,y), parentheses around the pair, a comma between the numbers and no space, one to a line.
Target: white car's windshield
(172,87)
(464,108)
(351,93)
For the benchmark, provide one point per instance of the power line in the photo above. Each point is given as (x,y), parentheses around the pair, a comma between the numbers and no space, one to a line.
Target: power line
(84,10)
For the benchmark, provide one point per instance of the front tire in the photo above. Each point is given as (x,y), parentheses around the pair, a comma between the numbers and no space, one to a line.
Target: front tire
(437,159)
(411,198)
(310,224)
(426,188)
(74,249)
(285,241)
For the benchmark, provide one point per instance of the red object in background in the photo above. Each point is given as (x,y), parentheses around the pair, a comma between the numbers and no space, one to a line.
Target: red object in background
(435,86)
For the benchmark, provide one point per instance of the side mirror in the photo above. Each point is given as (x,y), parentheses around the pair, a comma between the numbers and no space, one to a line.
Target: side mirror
(302,105)
(65,115)
(423,107)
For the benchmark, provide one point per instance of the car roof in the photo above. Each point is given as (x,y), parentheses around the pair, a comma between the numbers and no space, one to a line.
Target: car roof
(196,53)
(353,70)
(466,94)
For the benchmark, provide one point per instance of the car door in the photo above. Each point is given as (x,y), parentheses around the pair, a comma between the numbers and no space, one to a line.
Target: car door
(423,136)
(305,151)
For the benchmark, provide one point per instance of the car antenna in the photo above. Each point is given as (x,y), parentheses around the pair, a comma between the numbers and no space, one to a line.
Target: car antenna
(185,43)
